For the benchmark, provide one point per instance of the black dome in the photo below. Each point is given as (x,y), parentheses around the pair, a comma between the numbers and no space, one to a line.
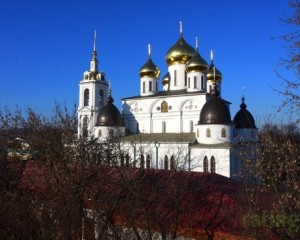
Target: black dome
(243,118)
(109,115)
(215,111)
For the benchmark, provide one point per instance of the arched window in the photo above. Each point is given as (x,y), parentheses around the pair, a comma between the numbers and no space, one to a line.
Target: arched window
(175,78)
(86,97)
(213,165)
(166,165)
(197,132)
(208,133)
(101,98)
(127,160)
(148,161)
(156,86)
(172,163)
(144,87)
(223,133)
(137,128)
(99,133)
(108,156)
(84,127)
(195,82)
(202,83)
(142,163)
(205,164)
(122,160)
(150,86)
(191,126)
(111,132)
(185,78)
(164,127)
(189,82)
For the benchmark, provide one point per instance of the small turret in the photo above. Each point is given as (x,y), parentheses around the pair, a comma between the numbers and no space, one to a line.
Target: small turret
(213,74)
(196,69)
(149,74)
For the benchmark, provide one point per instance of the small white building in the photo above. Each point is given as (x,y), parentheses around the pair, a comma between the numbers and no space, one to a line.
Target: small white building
(187,125)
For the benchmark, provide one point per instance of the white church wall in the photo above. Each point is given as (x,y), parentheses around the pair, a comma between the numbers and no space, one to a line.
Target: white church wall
(213,133)
(148,114)
(102,133)
(178,76)
(245,134)
(186,158)
(221,155)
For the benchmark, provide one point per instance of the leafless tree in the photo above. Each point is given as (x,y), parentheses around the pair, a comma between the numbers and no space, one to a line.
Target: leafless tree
(290,90)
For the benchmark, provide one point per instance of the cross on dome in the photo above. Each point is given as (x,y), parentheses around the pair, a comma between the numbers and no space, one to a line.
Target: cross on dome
(180,28)
(94,40)
(149,50)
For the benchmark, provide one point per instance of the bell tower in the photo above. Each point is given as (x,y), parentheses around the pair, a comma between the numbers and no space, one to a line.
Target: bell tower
(93,90)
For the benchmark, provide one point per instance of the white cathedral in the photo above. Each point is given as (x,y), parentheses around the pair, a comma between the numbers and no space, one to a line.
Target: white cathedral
(187,125)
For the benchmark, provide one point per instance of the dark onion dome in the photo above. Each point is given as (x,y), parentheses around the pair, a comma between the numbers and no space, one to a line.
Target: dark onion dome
(243,118)
(196,63)
(149,69)
(166,79)
(109,115)
(180,52)
(211,73)
(215,110)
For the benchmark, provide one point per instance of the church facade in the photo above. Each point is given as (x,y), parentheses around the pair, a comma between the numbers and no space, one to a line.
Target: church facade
(186,125)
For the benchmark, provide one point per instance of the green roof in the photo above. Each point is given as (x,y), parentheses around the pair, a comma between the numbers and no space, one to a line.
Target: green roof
(216,145)
(160,137)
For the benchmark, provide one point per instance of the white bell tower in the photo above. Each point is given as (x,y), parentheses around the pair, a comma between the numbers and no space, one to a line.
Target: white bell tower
(93,92)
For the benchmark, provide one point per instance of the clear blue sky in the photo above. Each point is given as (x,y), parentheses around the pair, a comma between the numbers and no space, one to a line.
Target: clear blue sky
(45,46)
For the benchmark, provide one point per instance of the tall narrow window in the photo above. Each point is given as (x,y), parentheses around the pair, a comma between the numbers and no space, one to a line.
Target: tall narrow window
(111,132)
(208,133)
(156,86)
(144,87)
(191,126)
(189,82)
(175,78)
(86,97)
(185,78)
(150,86)
(210,88)
(101,98)
(142,163)
(164,127)
(122,160)
(213,165)
(197,132)
(166,165)
(195,82)
(84,127)
(223,133)
(172,163)
(148,161)
(205,164)
(127,160)
(137,127)
(202,83)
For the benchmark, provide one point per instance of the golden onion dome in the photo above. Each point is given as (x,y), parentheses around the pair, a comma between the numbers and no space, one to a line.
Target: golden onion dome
(213,73)
(166,79)
(196,63)
(149,69)
(180,52)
